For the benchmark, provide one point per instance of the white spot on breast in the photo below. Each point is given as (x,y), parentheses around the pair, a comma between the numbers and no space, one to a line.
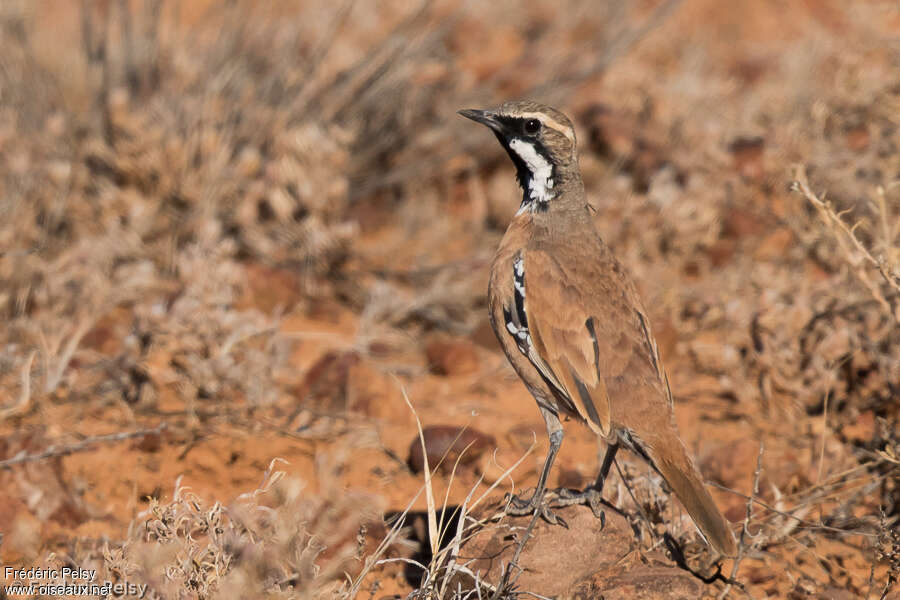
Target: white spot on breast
(541,182)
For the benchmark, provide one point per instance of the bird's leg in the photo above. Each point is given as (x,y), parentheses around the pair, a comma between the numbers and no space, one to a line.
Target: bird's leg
(592,495)
(518,506)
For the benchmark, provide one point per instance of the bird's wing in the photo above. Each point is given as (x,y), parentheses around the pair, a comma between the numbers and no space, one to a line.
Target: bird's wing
(583,323)
(588,328)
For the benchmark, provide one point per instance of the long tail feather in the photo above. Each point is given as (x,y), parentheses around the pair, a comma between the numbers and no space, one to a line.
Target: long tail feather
(685,480)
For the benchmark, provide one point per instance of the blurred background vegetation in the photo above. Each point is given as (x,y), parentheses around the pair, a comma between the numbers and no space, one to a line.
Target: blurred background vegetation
(254,221)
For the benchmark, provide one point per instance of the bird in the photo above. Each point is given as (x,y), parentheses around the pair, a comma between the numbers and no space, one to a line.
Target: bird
(570,320)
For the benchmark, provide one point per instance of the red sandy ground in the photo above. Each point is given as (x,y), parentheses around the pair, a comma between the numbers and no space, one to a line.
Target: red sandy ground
(219,462)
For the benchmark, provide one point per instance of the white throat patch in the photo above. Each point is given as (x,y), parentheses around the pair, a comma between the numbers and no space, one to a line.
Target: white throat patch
(540,185)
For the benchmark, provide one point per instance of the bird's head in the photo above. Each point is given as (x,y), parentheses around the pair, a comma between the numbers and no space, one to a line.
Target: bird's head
(540,140)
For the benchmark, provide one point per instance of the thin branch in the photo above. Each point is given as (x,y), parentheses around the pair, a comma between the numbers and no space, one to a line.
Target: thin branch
(797,521)
(745,531)
(57,369)
(317,56)
(25,393)
(85,444)
(824,434)
(834,220)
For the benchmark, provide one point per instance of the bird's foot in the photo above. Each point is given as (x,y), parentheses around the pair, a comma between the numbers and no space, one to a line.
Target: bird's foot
(517,506)
(590,496)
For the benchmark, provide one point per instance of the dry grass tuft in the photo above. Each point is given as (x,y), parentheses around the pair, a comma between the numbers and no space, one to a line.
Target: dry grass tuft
(278,541)
(187,201)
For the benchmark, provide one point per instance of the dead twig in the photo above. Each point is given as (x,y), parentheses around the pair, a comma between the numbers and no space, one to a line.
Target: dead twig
(85,444)
(98,60)
(745,532)
(25,394)
(853,249)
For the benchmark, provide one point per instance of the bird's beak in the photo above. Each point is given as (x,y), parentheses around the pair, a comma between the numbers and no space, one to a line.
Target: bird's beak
(485,117)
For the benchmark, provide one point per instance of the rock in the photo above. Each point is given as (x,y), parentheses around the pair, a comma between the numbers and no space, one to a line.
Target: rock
(642,583)
(325,386)
(343,382)
(450,356)
(587,560)
(450,443)
(151,442)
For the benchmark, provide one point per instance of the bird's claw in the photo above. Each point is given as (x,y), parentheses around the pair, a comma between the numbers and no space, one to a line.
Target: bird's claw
(590,496)
(517,506)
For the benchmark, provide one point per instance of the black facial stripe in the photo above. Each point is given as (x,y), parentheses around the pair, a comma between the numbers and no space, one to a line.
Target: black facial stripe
(522,173)
(519,126)
(542,150)
(512,124)
(513,128)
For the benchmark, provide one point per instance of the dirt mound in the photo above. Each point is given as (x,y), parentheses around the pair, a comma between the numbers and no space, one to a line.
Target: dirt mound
(591,558)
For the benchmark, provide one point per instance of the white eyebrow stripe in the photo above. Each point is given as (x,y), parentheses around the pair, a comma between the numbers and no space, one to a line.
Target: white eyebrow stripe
(547,121)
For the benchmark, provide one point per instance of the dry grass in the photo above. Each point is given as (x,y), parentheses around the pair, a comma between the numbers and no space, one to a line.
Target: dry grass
(277,540)
(176,187)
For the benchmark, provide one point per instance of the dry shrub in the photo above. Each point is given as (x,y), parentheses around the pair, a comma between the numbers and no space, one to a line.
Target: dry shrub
(279,541)
(142,174)
(255,138)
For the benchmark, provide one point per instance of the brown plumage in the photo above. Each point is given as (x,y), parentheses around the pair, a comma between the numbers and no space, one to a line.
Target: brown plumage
(570,320)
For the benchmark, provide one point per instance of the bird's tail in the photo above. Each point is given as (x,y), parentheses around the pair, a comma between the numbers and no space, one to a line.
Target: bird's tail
(685,480)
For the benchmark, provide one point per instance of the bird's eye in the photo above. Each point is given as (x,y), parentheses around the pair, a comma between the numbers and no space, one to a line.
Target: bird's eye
(532,126)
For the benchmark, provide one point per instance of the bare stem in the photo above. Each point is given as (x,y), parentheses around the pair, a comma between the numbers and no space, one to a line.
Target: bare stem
(82,446)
